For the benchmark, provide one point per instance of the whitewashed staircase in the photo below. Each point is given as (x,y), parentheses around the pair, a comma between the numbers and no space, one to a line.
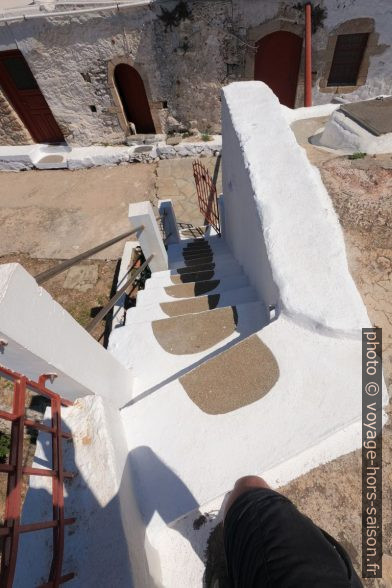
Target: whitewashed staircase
(221,391)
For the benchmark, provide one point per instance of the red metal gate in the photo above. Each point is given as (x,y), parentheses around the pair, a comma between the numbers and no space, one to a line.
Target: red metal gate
(207,196)
(11,529)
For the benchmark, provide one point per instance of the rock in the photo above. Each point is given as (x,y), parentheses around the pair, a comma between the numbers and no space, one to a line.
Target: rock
(166,152)
(131,141)
(143,149)
(81,277)
(6,165)
(172,125)
(154,139)
(384,262)
(173,140)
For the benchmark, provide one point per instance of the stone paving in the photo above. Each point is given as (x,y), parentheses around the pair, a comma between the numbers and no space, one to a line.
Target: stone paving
(175,181)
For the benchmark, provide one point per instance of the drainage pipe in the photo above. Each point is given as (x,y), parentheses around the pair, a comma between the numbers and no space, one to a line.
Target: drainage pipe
(308,55)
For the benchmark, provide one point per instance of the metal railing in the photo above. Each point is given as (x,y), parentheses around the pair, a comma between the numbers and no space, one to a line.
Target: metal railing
(104,311)
(207,195)
(64,265)
(15,470)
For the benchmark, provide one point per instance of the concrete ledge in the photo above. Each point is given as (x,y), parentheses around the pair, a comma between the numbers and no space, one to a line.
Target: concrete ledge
(42,337)
(42,156)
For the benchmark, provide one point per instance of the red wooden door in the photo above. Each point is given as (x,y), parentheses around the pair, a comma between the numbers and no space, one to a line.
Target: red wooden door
(277,63)
(134,98)
(24,94)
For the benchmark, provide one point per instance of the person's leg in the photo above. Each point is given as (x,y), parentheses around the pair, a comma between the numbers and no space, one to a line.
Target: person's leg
(269,543)
(243,485)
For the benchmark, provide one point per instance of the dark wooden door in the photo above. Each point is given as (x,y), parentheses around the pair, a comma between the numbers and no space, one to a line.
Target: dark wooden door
(134,98)
(24,94)
(277,62)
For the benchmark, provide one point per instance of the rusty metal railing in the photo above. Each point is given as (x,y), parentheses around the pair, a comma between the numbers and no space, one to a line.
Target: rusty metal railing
(207,195)
(12,528)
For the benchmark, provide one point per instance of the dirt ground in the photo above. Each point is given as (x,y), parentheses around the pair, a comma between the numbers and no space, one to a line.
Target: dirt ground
(60,213)
(361,191)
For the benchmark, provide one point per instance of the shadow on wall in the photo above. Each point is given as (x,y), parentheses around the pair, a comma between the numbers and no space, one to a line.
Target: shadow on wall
(96,546)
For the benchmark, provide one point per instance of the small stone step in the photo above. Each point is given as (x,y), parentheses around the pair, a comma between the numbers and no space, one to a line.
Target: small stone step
(193,333)
(179,251)
(161,350)
(198,260)
(172,277)
(202,267)
(155,310)
(237,377)
(170,293)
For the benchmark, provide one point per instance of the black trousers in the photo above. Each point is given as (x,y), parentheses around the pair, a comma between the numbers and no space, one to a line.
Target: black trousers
(270,544)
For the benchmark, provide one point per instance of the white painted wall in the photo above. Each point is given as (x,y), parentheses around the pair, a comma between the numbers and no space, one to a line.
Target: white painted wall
(379,78)
(279,220)
(43,337)
(170,226)
(150,238)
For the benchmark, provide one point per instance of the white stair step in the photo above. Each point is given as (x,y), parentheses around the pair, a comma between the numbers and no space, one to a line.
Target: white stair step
(175,251)
(280,436)
(173,293)
(202,259)
(158,350)
(160,310)
(170,278)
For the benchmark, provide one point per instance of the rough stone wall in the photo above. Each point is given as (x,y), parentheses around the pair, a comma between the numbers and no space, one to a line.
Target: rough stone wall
(183,63)
(12,130)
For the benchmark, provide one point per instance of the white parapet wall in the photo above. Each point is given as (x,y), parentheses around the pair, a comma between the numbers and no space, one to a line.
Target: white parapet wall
(42,337)
(279,219)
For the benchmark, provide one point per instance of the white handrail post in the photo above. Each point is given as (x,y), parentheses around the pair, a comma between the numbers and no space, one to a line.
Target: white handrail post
(150,238)
(169,221)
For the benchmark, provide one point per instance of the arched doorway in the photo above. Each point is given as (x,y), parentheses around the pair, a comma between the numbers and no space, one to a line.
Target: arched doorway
(133,96)
(277,62)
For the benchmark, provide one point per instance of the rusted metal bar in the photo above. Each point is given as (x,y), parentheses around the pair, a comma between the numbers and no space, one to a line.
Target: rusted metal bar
(13,501)
(12,528)
(28,471)
(102,313)
(44,428)
(46,525)
(61,267)
(4,531)
(38,387)
(308,55)
(7,416)
(63,579)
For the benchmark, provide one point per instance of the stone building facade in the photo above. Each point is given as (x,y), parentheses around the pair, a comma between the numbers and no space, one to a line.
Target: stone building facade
(183,53)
